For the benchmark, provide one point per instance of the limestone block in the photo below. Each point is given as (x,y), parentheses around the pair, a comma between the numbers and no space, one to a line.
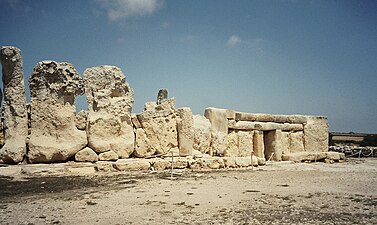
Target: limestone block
(273,145)
(132,165)
(316,134)
(104,166)
(160,126)
(296,142)
(258,144)
(232,145)
(185,129)
(245,143)
(230,114)
(218,119)
(304,156)
(202,133)
(229,162)
(81,119)
(108,156)
(211,163)
(219,143)
(260,117)
(261,161)
(254,161)
(265,126)
(178,162)
(86,155)
(143,147)
(159,164)
(243,161)
(54,136)
(333,156)
(15,127)
(110,100)
(285,142)
(106,132)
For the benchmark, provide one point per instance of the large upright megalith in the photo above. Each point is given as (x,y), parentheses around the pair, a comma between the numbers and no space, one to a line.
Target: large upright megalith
(15,113)
(54,136)
(110,100)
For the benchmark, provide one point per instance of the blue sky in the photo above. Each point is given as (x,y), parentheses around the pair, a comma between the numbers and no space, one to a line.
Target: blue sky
(273,56)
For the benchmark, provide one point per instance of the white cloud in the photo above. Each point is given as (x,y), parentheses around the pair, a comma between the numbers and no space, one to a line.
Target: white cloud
(120,9)
(234,40)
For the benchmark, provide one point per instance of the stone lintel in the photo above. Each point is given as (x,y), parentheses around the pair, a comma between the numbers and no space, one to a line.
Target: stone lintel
(247,125)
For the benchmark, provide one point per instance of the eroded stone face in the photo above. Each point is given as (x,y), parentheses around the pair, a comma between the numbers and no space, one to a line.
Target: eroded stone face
(202,134)
(110,100)
(185,131)
(54,136)
(15,112)
(159,123)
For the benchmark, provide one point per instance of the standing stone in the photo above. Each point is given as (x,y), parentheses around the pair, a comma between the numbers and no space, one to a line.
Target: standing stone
(232,145)
(285,142)
(218,119)
(316,134)
(202,134)
(143,147)
(15,113)
(258,144)
(54,135)
(110,100)
(273,145)
(219,143)
(185,131)
(245,143)
(162,96)
(160,125)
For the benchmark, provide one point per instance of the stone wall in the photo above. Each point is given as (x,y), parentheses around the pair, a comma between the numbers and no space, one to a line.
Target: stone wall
(52,130)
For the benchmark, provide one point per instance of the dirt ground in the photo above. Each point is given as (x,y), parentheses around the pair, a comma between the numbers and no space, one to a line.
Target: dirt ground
(278,193)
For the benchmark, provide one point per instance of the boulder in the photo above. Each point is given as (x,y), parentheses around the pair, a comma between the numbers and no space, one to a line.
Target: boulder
(110,100)
(86,155)
(108,156)
(54,136)
(185,129)
(202,133)
(159,123)
(15,127)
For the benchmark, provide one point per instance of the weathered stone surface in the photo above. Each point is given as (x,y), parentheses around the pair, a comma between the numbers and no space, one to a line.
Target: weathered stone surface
(160,125)
(108,156)
(143,147)
(273,145)
(162,96)
(240,116)
(209,163)
(178,162)
(135,121)
(15,113)
(261,161)
(258,144)
(185,129)
(229,162)
(132,165)
(232,145)
(86,155)
(254,161)
(110,100)
(265,126)
(296,142)
(104,166)
(219,143)
(333,156)
(202,134)
(218,119)
(245,143)
(54,135)
(285,142)
(316,134)
(81,119)
(243,161)
(159,164)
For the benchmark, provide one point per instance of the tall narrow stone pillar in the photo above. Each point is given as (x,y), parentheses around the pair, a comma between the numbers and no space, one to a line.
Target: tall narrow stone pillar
(273,145)
(185,131)
(258,144)
(15,113)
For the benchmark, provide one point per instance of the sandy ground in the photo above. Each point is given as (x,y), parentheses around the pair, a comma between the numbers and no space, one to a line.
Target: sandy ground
(278,193)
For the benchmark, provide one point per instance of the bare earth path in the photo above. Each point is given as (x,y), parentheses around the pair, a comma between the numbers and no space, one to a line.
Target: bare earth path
(279,193)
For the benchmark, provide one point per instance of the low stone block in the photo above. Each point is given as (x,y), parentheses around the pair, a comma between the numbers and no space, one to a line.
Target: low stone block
(159,164)
(132,165)
(211,163)
(333,156)
(305,156)
(243,161)
(86,155)
(229,162)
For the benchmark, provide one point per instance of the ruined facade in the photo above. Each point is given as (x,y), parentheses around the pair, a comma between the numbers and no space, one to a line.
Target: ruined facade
(109,132)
